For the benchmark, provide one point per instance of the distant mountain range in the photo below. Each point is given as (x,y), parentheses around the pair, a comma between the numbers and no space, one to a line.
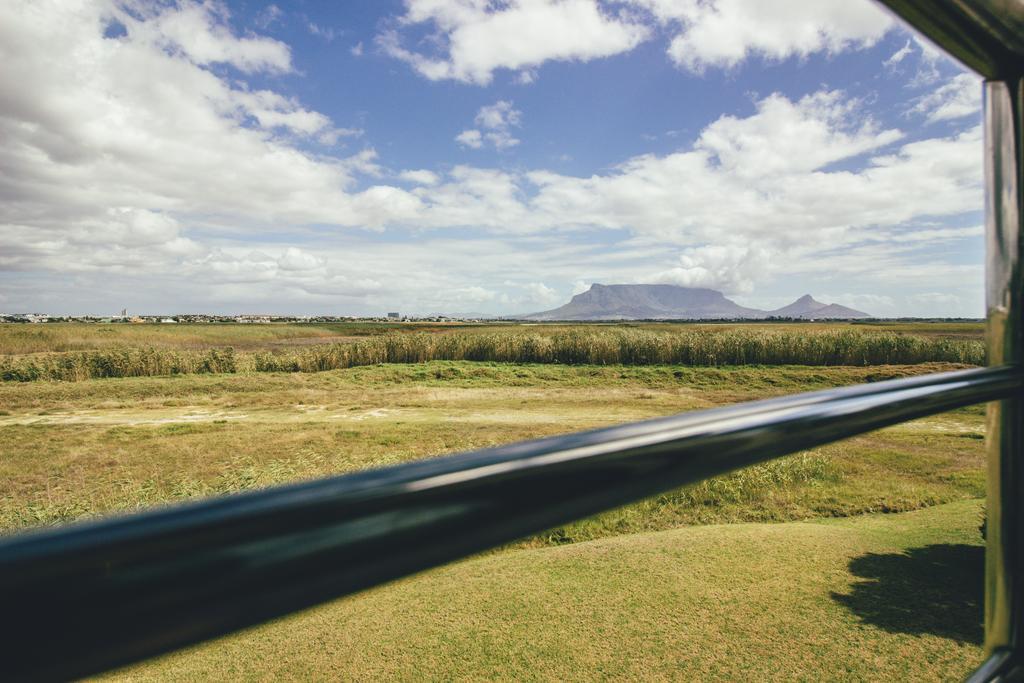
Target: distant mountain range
(671,302)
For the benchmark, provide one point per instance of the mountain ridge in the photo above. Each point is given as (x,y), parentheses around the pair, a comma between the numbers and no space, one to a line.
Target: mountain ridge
(674,302)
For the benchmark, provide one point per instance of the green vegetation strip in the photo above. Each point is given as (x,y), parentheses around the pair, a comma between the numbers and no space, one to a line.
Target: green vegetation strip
(874,598)
(587,346)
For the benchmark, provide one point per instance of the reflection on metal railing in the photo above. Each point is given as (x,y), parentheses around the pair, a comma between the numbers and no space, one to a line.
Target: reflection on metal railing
(116,591)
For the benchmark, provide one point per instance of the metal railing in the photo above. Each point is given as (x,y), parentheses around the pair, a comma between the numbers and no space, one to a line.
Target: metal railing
(88,597)
(115,591)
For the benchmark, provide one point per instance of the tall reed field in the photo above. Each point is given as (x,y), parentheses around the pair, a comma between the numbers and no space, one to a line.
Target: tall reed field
(600,346)
(23,339)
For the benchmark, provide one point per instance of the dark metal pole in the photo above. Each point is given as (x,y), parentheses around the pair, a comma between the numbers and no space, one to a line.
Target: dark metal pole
(1004,582)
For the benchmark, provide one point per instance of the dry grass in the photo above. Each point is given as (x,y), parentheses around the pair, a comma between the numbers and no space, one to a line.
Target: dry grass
(20,339)
(86,448)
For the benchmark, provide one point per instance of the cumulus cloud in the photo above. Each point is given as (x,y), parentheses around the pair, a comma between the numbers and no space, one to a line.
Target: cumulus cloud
(138,122)
(420,177)
(470,40)
(470,138)
(199,31)
(476,38)
(786,136)
(137,157)
(723,33)
(540,293)
(295,259)
(959,97)
(732,268)
(494,123)
(737,178)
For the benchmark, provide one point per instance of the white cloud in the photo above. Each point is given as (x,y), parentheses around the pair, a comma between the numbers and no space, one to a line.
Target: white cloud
(526,77)
(268,16)
(723,33)
(580,286)
(131,122)
(200,32)
(787,136)
(136,159)
(357,49)
(499,115)
(325,32)
(732,268)
(295,259)
(478,38)
(494,123)
(420,177)
(941,298)
(540,293)
(929,52)
(931,58)
(501,139)
(959,97)
(766,175)
(470,138)
(899,55)
(931,235)
(474,294)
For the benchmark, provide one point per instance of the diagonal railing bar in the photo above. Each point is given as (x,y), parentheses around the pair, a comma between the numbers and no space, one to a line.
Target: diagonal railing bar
(115,591)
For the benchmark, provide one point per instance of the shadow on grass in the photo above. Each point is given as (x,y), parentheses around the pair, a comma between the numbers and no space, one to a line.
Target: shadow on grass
(933,590)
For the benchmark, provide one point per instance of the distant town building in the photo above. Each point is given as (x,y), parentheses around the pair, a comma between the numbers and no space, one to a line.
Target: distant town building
(394,315)
(168,320)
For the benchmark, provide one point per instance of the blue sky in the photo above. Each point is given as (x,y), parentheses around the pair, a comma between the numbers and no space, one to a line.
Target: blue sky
(466,156)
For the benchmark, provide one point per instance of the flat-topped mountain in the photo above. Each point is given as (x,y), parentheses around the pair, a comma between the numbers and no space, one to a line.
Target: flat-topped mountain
(672,302)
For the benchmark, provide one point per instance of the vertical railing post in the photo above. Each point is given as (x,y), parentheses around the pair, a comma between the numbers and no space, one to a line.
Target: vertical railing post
(1004,563)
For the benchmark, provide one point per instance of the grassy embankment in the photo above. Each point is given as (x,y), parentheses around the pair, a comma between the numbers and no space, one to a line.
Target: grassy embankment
(876,598)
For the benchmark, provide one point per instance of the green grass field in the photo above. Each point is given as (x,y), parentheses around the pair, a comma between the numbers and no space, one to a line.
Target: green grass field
(876,598)
(781,571)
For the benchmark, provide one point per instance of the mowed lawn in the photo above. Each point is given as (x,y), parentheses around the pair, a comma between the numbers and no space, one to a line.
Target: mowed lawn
(869,598)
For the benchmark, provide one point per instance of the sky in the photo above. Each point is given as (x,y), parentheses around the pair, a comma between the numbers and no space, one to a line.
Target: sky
(480,156)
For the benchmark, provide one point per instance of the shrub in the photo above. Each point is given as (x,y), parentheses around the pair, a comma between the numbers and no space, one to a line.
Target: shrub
(569,347)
